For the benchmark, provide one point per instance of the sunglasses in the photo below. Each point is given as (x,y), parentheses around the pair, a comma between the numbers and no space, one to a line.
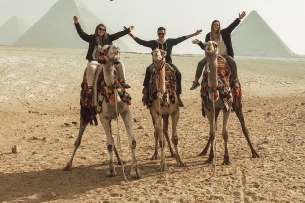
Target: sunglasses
(161,33)
(102,29)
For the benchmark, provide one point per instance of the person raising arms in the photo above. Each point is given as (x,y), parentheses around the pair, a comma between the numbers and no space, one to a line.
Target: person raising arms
(100,37)
(223,38)
(166,45)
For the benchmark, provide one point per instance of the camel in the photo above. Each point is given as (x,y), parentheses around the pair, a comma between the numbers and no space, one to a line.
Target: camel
(164,104)
(110,109)
(220,98)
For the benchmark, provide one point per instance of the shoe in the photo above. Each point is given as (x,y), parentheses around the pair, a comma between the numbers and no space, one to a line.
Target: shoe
(195,85)
(125,85)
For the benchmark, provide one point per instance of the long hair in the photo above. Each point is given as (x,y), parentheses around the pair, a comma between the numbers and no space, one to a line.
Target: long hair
(101,40)
(215,36)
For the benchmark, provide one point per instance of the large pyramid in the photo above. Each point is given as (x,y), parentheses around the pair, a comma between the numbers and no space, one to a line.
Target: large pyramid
(254,37)
(56,27)
(12,30)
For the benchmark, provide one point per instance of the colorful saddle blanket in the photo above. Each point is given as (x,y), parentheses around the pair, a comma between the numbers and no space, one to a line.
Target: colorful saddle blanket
(224,83)
(108,91)
(170,85)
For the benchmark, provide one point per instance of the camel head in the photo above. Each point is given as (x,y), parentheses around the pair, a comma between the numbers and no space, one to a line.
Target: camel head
(110,52)
(158,55)
(211,50)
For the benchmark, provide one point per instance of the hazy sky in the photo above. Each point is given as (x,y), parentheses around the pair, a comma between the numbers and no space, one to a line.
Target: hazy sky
(179,17)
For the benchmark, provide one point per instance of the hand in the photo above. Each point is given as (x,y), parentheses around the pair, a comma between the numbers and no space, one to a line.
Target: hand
(75,19)
(196,41)
(242,15)
(197,32)
(130,28)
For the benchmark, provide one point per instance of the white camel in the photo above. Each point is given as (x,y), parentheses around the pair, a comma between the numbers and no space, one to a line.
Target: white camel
(215,63)
(110,110)
(163,106)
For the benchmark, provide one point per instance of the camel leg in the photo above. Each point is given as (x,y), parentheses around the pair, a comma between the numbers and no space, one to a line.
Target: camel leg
(211,136)
(119,159)
(158,129)
(155,155)
(239,113)
(82,128)
(205,150)
(175,119)
(106,122)
(226,115)
(165,132)
(135,171)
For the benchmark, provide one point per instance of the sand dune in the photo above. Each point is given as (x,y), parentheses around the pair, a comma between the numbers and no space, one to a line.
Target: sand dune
(40,93)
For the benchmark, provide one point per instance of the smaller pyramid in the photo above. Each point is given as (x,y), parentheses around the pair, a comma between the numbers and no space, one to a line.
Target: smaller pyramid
(10,31)
(254,37)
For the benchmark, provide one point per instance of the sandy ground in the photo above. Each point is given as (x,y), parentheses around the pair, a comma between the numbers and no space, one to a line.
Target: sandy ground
(40,93)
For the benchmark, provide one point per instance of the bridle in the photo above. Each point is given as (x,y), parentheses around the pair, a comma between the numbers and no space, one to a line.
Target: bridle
(162,63)
(106,54)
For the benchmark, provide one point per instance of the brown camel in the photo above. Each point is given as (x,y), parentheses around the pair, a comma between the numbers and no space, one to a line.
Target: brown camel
(164,104)
(218,97)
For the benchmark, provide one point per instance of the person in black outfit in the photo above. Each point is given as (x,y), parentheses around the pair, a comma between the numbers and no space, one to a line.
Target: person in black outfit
(100,37)
(166,45)
(223,38)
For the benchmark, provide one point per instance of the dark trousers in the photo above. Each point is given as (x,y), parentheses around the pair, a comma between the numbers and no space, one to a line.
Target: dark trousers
(178,77)
(230,61)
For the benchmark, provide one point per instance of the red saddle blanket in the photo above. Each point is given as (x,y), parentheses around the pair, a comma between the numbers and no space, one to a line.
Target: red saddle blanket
(226,88)
(170,85)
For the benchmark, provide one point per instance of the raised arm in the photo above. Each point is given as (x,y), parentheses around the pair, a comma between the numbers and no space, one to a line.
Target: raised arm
(151,44)
(80,31)
(236,22)
(117,35)
(181,39)
(194,34)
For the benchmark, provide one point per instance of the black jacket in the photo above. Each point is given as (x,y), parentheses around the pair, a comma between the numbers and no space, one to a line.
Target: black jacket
(92,41)
(226,36)
(167,45)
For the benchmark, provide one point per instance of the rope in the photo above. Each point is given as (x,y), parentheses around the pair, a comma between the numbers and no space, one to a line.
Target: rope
(118,137)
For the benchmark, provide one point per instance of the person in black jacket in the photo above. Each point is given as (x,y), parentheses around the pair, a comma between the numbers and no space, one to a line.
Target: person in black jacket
(223,38)
(166,45)
(100,37)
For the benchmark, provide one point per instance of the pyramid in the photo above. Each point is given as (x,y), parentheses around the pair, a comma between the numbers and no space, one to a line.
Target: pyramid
(254,37)
(56,27)
(12,30)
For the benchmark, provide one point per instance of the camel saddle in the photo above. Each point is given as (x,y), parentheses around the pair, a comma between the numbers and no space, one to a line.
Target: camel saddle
(170,86)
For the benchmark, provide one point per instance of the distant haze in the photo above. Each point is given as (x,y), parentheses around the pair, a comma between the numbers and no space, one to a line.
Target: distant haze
(180,18)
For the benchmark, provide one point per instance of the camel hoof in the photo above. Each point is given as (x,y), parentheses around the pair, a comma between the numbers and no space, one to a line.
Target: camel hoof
(154,157)
(121,162)
(203,153)
(162,168)
(182,164)
(111,173)
(208,161)
(67,168)
(255,155)
(135,174)
(173,155)
(226,163)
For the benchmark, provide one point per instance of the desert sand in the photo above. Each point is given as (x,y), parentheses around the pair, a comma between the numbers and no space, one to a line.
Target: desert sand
(40,100)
